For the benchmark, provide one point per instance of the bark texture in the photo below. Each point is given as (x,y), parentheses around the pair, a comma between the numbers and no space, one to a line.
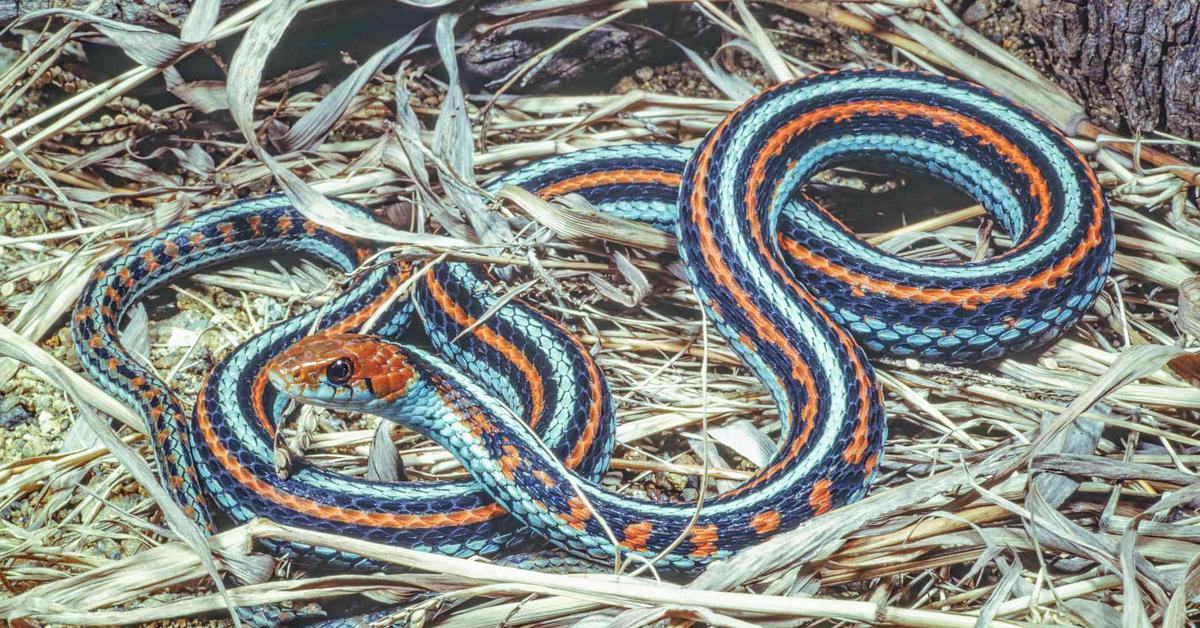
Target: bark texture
(606,53)
(1135,64)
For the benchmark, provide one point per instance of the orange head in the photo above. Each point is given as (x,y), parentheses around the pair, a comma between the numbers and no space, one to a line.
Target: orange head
(343,371)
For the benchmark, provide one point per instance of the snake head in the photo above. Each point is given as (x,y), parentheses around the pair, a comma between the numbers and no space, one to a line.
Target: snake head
(343,372)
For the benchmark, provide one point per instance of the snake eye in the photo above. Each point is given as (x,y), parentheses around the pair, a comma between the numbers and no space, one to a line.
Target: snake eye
(339,371)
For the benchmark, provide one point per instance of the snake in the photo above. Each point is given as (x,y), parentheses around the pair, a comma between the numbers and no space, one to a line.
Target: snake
(521,402)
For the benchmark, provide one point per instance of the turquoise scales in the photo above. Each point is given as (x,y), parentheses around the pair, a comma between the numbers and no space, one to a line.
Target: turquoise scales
(748,243)
(776,274)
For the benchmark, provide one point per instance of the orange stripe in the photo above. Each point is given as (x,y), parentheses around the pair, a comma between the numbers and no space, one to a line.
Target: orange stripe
(765,522)
(256,400)
(497,342)
(544,478)
(869,465)
(578,516)
(594,409)
(968,297)
(767,330)
(1039,189)
(820,499)
(510,462)
(855,452)
(637,535)
(255,222)
(704,538)
(596,389)
(348,324)
(610,177)
(324,511)
(775,145)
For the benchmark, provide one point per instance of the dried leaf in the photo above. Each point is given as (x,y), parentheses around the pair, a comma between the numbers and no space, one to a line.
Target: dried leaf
(746,439)
(579,222)
(1133,363)
(1055,530)
(384,463)
(135,336)
(144,45)
(732,85)
(1063,112)
(204,96)
(406,154)
(1094,614)
(1176,614)
(1080,438)
(49,302)
(1012,575)
(193,158)
(1188,317)
(210,96)
(13,346)
(200,20)
(707,451)
(609,291)
(1133,609)
(1080,465)
(79,436)
(823,535)
(245,71)
(1189,494)
(454,145)
(312,127)
(634,275)
(779,69)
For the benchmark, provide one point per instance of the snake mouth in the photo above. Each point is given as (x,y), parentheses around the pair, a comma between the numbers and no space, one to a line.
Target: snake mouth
(281,382)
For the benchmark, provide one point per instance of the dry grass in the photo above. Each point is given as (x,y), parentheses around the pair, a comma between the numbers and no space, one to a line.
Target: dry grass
(1043,489)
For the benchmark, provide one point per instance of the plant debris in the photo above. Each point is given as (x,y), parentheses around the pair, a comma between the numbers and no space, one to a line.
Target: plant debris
(1056,487)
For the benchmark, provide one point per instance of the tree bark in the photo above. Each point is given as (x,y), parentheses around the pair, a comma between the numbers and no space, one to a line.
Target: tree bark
(1134,64)
(606,53)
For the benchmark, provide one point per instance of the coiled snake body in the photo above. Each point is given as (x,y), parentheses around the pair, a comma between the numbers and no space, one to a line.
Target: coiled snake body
(523,405)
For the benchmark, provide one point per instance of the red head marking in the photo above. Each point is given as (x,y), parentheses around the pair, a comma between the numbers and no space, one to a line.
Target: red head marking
(361,362)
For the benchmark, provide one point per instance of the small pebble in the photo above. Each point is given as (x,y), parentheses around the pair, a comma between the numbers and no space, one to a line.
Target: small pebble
(13,416)
(977,12)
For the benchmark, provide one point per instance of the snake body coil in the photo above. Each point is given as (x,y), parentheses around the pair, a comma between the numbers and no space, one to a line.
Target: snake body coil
(794,292)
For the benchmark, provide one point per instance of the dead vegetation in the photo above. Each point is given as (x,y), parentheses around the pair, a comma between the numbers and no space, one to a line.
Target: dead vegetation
(1055,488)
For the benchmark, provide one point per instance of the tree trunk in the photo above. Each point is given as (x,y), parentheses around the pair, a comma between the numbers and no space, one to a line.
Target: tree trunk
(1134,64)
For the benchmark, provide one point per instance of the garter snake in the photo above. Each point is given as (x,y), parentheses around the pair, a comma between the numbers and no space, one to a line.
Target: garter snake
(523,406)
